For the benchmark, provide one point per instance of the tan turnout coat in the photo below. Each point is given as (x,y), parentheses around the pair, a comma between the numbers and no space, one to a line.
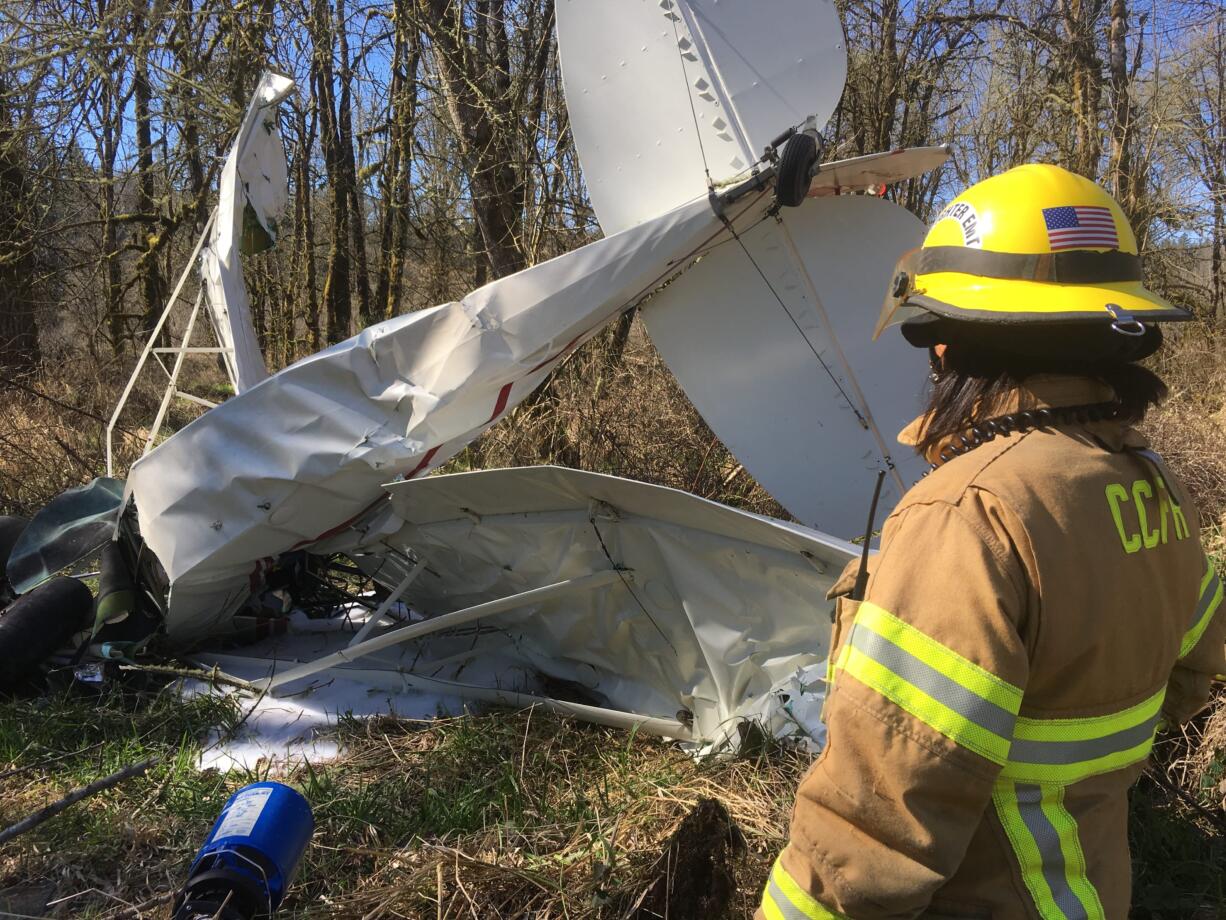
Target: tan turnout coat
(1039,605)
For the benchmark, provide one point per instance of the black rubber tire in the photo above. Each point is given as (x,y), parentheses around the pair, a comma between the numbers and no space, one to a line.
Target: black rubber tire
(10,531)
(37,624)
(794,174)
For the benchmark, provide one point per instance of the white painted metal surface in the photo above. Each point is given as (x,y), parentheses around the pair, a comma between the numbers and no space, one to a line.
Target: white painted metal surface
(697,613)
(305,453)
(662,91)
(798,391)
(877,169)
(255,176)
(723,605)
(531,598)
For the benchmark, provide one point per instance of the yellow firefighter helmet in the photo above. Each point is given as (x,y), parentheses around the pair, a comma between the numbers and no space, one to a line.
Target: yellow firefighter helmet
(1037,246)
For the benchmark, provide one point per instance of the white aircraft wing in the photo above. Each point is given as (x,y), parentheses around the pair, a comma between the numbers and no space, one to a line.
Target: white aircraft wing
(717,613)
(771,341)
(305,453)
(793,384)
(661,92)
(253,187)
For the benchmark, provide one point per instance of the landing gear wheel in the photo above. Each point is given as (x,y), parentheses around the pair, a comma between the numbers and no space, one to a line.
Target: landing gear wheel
(794,173)
(37,624)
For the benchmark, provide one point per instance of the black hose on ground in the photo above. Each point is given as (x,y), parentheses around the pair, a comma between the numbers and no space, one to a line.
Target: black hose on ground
(37,624)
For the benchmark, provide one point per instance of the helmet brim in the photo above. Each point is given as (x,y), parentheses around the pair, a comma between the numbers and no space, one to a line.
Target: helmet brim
(985,300)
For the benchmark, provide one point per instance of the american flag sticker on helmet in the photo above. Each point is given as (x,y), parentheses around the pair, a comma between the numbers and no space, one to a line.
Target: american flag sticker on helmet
(1080,228)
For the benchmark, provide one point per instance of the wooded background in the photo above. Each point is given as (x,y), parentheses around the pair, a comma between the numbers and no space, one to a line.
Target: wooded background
(429,152)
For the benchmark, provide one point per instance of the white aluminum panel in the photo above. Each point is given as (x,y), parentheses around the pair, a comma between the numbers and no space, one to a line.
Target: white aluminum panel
(640,75)
(877,169)
(718,607)
(254,174)
(304,454)
(782,387)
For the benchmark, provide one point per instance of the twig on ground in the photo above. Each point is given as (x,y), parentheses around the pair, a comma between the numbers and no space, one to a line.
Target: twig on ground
(212,676)
(84,792)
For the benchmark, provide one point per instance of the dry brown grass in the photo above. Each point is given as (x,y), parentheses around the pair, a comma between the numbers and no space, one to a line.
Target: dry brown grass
(620,411)
(1189,429)
(510,815)
(487,816)
(543,818)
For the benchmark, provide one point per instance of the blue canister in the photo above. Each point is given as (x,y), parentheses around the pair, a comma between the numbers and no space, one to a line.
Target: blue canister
(250,856)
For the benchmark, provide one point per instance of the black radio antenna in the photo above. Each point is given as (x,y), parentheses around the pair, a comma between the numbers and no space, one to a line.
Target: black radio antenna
(857,593)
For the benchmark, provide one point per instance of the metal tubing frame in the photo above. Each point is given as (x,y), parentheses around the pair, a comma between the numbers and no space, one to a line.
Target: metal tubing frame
(195,399)
(614,718)
(446,621)
(171,388)
(153,337)
(377,617)
(392,681)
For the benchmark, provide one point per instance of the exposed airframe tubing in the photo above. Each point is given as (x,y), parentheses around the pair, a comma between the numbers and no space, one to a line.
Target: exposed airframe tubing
(446,621)
(379,677)
(666,728)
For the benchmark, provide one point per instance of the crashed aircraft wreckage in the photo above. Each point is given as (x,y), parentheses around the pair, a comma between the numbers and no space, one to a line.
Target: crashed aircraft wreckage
(616,601)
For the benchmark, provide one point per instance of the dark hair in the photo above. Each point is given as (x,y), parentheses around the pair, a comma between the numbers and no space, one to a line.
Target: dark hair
(969,385)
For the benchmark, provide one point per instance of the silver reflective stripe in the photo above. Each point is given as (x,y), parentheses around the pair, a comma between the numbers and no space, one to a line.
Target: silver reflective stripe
(1206,599)
(789,910)
(1047,838)
(970,706)
(1068,752)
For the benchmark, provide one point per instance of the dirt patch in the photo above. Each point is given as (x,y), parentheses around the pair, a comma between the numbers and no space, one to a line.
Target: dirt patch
(694,877)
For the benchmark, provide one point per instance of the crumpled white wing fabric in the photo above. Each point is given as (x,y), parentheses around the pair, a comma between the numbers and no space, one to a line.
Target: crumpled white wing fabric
(798,391)
(254,173)
(306,452)
(723,605)
(661,91)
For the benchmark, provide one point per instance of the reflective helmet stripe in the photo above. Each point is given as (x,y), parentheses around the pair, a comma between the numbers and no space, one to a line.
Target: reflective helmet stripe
(1075,267)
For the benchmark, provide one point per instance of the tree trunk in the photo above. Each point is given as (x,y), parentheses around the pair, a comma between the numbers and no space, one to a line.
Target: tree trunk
(348,174)
(1123,181)
(153,284)
(18,329)
(482,125)
(304,228)
(1085,83)
(336,292)
(398,164)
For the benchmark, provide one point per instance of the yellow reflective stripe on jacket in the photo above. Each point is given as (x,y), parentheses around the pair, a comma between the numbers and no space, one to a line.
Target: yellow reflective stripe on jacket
(1045,840)
(784,899)
(964,702)
(1070,750)
(1207,605)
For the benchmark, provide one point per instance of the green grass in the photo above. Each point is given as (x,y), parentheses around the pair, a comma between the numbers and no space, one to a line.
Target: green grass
(1179,865)
(515,812)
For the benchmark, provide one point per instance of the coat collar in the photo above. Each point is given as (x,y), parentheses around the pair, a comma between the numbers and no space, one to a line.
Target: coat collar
(1047,391)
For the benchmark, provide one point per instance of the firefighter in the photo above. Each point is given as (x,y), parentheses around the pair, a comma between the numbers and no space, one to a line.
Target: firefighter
(1041,602)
